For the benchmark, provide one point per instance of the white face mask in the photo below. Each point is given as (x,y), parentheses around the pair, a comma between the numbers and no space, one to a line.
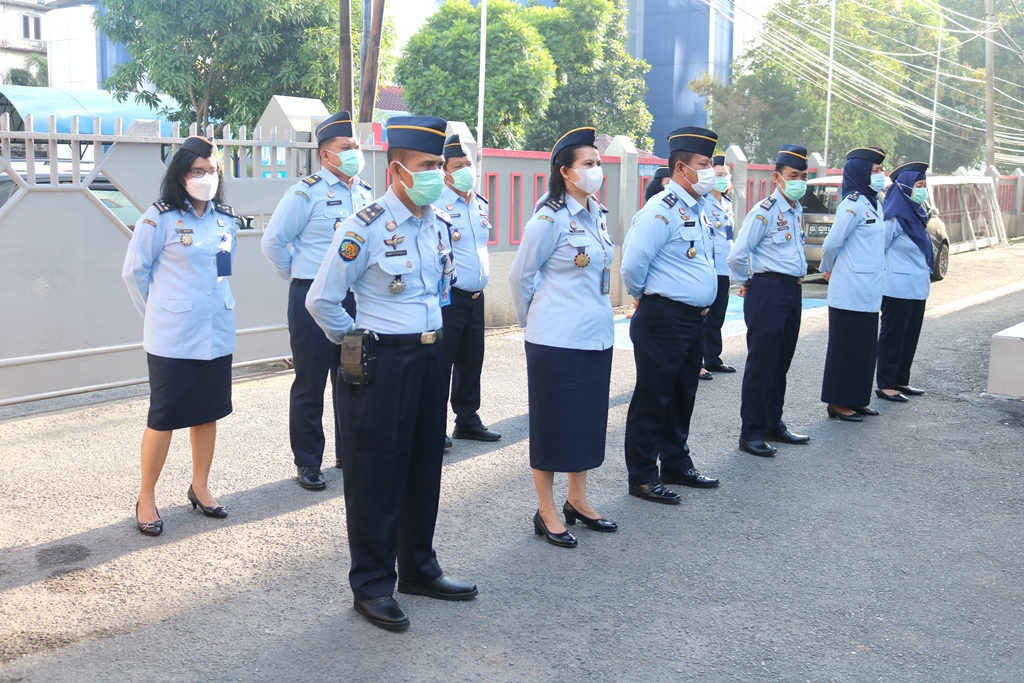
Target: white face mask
(705,180)
(202,189)
(591,179)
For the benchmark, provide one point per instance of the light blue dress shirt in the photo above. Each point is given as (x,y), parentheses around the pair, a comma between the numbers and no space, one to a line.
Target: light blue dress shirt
(854,252)
(907,275)
(171,273)
(470,230)
(719,213)
(771,241)
(656,255)
(303,224)
(557,273)
(381,245)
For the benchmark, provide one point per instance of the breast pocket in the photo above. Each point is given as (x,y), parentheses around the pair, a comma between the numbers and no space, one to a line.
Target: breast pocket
(176,305)
(395,265)
(229,301)
(866,268)
(782,236)
(690,233)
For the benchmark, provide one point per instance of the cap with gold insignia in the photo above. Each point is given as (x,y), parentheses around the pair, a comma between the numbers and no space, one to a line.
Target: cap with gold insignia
(718,160)
(337,126)
(418,133)
(453,148)
(875,155)
(574,138)
(793,156)
(693,139)
(200,146)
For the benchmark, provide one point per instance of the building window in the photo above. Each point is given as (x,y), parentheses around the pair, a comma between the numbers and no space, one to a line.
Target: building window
(37,24)
(31,27)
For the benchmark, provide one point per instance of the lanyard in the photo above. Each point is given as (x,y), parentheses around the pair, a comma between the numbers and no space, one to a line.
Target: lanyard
(594,233)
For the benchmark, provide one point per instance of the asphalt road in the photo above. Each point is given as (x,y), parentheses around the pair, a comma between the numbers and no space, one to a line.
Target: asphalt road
(883,551)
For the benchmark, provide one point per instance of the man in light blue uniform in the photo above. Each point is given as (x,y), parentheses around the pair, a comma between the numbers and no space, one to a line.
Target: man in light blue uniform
(668,263)
(464,319)
(768,259)
(395,254)
(295,242)
(718,208)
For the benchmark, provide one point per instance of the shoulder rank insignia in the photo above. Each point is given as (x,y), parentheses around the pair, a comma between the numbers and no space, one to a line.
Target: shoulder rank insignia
(481,198)
(443,216)
(148,222)
(768,203)
(854,196)
(355,237)
(555,204)
(163,207)
(364,184)
(225,209)
(658,215)
(549,219)
(603,208)
(762,219)
(302,194)
(370,213)
(670,199)
(348,250)
(311,180)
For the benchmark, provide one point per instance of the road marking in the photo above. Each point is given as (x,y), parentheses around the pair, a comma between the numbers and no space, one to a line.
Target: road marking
(974,300)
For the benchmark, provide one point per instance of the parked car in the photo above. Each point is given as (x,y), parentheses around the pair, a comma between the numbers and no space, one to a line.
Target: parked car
(820,204)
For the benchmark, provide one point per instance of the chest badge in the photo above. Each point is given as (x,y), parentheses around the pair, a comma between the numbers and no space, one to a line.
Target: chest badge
(394,241)
(485,223)
(186,240)
(220,223)
(789,236)
(391,226)
(180,223)
(582,260)
(718,224)
(449,206)
(456,235)
(691,252)
(397,285)
(330,193)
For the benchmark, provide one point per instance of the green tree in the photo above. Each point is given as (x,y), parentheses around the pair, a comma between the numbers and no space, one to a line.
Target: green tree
(33,73)
(598,81)
(440,70)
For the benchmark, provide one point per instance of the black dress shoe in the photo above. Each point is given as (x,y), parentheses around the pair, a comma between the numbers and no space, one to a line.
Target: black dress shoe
(479,433)
(149,528)
(311,478)
(441,588)
(911,391)
(215,511)
(447,442)
(691,478)
(706,375)
(787,437)
(383,613)
(758,447)
(832,412)
(721,368)
(562,540)
(895,398)
(599,524)
(656,493)
(866,410)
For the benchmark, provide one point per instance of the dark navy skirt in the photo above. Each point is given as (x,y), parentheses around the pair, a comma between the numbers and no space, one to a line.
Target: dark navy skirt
(186,393)
(568,390)
(850,358)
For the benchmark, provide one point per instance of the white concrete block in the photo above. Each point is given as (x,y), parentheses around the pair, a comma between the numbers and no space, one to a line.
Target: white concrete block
(1006,363)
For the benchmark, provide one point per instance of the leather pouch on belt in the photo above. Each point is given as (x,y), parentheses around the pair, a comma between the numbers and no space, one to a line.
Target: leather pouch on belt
(358,357)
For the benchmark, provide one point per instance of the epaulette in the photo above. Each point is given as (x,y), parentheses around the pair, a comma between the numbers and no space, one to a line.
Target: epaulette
(364,184)
(603,208)
(481,198)
(670,199)
(224,209)
(311,180)
(768,203)
(371,213)
(854,196)
(555,204)
(443,216)
(162,207)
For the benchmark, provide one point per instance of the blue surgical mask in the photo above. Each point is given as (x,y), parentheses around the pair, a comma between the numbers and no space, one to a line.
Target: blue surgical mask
(877,182)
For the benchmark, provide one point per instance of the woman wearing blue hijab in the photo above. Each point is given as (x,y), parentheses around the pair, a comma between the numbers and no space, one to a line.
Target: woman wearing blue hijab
(909,259)
(853,259)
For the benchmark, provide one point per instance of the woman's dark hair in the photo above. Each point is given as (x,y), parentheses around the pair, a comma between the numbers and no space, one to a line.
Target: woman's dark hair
(556,183)
(655,186)
(172,188)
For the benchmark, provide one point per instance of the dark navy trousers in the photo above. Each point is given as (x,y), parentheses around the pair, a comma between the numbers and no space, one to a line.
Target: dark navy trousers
(315,357)
(464,354)
(668,343)
(394,443)
(716,318)
(771,310)
(897,340)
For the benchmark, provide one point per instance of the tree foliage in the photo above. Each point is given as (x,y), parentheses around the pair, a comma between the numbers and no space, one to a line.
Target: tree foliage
(778,93)
(34,73)
(440,69)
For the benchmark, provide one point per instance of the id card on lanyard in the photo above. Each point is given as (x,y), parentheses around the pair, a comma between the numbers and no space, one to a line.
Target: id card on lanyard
(444,285)
(606,272)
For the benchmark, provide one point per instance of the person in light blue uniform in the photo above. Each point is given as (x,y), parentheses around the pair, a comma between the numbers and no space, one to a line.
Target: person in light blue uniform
(853,261)
(718,208)
(668,263)
(909,260)
(464,319)
(295,243)
(396,255)
(768,260)
(561,280)
(176,269)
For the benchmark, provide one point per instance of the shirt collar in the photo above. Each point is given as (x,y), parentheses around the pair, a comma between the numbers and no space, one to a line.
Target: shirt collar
(783,202)
(398,210)
(332,179)
(450,196)
(575,208)
(678,190)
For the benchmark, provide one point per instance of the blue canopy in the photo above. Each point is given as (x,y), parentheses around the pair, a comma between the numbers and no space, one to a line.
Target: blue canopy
(42,103)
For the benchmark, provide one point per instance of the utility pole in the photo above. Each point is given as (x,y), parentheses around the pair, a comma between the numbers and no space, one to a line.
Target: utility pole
(831,64)
(368,91)
(345,94)
(480,94)
(990,86)
(935,96)
(366,7)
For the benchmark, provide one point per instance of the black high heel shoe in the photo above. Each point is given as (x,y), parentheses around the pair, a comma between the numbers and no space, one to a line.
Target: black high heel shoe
(832,412)
(599,524)
(216,511)
(562,540)
(149,528)
(895,398)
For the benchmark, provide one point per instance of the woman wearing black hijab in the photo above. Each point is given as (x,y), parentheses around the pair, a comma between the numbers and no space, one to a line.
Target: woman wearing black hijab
(909,259)
(657,184)
(853,259)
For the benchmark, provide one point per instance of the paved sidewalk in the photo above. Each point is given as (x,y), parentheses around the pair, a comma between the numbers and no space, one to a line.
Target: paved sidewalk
(883,551)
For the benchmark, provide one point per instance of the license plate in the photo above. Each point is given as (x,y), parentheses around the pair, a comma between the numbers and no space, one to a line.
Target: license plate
(818,230)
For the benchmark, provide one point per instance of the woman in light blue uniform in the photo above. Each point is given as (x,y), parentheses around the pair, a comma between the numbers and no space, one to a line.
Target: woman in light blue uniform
(853,259)
(560,281)
(177,269)
(909,260)
(718,207)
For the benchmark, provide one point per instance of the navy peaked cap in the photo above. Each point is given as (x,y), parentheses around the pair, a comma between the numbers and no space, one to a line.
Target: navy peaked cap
(793,156)
(337,126)
(453,148)
(694,140)
(418,133)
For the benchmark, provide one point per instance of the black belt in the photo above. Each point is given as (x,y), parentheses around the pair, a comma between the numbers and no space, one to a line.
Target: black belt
(409,339)
(781,277)
(467,294)
(300,282)
(699,310)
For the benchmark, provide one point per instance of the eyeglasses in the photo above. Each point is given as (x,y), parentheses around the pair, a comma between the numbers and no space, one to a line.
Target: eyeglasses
(200,172)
